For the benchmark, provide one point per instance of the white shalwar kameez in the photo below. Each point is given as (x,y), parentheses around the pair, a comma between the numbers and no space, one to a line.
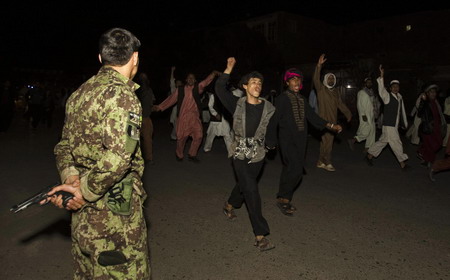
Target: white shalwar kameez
(221,128)
(390,134)
(366,130)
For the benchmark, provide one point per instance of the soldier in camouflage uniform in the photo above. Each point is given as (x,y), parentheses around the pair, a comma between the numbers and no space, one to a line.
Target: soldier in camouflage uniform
(100,162)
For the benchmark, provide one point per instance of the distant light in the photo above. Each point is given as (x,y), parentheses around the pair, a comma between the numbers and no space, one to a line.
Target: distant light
(349,86)
(408,27)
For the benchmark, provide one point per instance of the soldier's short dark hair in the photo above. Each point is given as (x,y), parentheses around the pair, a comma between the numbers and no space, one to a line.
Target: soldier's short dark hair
(117,45)
(255,74)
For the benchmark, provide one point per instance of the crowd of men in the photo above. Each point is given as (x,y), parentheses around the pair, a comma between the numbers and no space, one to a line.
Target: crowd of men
(106,142)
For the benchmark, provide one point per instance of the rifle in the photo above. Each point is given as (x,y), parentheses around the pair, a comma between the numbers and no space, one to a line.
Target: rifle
(35,199)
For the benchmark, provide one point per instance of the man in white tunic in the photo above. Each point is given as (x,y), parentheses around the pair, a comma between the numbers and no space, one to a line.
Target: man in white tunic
(367,105)
(218,125)
(394,115)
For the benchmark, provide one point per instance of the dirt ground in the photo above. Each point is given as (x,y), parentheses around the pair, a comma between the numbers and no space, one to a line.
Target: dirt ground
(359,222)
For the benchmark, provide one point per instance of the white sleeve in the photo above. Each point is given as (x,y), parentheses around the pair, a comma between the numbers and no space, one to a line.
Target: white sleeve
(384,94)
(211,105)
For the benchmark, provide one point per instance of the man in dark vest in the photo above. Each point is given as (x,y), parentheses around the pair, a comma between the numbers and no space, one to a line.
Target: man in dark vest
(293,115)
(393,116)
(188,124)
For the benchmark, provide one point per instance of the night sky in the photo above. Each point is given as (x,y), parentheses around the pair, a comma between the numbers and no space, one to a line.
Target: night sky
(58,34)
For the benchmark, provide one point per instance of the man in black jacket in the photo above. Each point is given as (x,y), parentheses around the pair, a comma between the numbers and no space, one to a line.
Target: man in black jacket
(293,112)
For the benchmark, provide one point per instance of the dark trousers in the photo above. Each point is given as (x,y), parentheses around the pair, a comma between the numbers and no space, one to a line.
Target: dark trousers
(292,173)
(246,190)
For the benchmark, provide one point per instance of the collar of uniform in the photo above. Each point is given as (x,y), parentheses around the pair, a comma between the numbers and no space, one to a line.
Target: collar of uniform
(110,71)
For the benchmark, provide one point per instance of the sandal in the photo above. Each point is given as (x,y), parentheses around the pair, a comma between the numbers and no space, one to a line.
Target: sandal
(264,244)
(286,208)
(229,212)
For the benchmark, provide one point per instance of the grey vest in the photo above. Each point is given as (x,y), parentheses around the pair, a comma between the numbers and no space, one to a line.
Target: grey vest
(252,148)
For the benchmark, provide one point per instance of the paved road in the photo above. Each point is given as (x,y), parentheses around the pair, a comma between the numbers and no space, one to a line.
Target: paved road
(359,222)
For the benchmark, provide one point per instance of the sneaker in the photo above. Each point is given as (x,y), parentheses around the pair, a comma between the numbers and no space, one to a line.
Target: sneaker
(330,167)
(351,145)
(264,244)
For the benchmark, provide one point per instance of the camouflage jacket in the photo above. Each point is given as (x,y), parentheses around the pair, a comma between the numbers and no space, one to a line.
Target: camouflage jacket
(100,138)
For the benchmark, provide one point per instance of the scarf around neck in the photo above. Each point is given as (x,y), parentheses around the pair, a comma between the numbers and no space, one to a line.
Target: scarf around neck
(298,109)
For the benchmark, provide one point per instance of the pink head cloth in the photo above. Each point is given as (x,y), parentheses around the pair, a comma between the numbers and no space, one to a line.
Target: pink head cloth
(293,73)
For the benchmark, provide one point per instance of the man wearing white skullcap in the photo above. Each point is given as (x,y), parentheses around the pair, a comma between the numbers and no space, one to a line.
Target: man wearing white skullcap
(394,116)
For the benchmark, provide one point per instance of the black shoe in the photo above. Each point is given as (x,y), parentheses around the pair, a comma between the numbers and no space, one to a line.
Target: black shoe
(178,158)
(369,160)
(193,159)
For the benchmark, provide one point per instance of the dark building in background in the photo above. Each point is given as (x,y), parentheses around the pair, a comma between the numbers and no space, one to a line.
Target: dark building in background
(413,48)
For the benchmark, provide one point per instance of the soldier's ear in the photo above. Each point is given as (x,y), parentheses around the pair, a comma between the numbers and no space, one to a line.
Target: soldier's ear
(100,58)
(135,58)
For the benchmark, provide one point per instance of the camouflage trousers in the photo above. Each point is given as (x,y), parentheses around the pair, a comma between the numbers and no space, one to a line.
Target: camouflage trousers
(110,246)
